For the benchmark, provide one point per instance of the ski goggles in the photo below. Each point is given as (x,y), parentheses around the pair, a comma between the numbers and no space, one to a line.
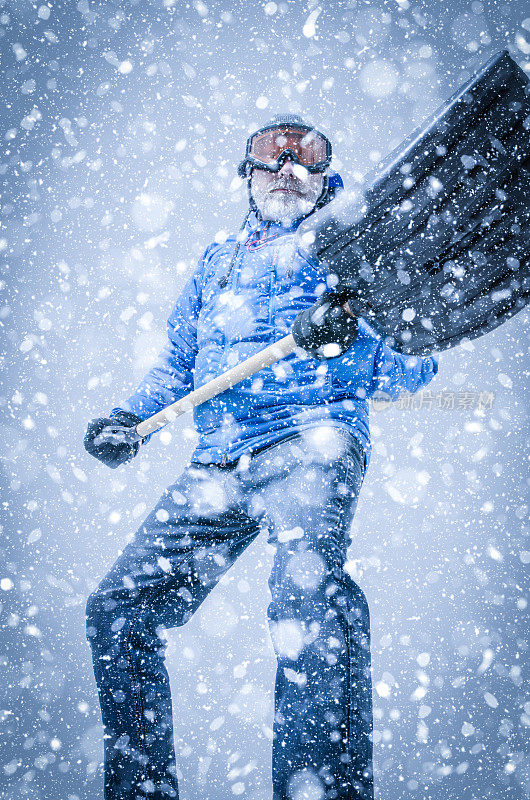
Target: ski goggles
(270,148)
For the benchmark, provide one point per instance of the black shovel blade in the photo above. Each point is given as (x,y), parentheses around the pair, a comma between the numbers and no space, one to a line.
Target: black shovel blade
(435,248)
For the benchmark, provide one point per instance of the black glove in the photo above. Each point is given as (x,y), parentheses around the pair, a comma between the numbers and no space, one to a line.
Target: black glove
(325,323)
(113,441)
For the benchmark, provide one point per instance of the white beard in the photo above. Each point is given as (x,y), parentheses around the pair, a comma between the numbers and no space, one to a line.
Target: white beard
(286,207)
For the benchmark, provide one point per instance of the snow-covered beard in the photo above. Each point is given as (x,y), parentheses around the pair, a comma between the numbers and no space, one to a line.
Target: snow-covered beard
(285,207)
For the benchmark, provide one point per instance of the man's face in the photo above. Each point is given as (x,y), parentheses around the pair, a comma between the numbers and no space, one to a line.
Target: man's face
(285,195)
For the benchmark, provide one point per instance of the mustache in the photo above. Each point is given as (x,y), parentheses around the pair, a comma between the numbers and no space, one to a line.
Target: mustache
(292,184)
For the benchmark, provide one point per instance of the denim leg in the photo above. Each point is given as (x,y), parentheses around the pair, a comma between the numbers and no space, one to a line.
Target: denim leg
(181,550)
(318,619)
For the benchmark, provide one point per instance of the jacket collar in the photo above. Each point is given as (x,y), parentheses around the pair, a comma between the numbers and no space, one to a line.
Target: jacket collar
(270,228)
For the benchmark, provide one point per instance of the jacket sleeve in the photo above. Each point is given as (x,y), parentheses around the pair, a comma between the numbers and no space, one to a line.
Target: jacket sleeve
(171,376)
(395,373)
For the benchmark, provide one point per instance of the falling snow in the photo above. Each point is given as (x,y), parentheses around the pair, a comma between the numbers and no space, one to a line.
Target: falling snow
(123,126)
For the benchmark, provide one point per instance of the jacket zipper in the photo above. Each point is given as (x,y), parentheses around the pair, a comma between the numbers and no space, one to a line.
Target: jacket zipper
(272,285)
(233,286)
(234,279)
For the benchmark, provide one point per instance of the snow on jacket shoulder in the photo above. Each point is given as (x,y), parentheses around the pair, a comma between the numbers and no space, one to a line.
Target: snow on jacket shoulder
(217,323)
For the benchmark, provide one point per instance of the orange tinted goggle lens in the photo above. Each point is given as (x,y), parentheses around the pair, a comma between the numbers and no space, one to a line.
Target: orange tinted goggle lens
(308,146)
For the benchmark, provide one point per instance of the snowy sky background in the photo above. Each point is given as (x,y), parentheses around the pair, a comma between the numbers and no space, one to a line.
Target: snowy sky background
(122,124)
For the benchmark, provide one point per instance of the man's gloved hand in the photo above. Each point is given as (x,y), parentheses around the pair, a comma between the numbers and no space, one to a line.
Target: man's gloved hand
(325,330)
(113,441)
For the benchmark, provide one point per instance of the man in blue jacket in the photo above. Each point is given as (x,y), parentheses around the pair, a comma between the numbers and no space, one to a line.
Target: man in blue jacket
(286,450)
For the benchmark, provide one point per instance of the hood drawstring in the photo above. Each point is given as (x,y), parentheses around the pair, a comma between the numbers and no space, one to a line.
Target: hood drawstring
(223,282)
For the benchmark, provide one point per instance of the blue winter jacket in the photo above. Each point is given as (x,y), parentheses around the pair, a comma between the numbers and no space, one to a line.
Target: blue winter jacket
(213,327)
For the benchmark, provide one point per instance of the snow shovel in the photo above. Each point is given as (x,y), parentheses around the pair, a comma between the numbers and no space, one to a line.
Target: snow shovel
(436,249)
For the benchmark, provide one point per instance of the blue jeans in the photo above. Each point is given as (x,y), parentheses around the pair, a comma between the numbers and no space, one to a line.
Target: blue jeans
(304,491)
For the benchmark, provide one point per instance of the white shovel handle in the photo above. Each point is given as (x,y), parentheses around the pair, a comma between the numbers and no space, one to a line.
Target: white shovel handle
(274,352)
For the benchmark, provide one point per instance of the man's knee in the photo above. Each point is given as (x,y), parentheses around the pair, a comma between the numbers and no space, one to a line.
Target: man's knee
(108,615)
(94,612)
